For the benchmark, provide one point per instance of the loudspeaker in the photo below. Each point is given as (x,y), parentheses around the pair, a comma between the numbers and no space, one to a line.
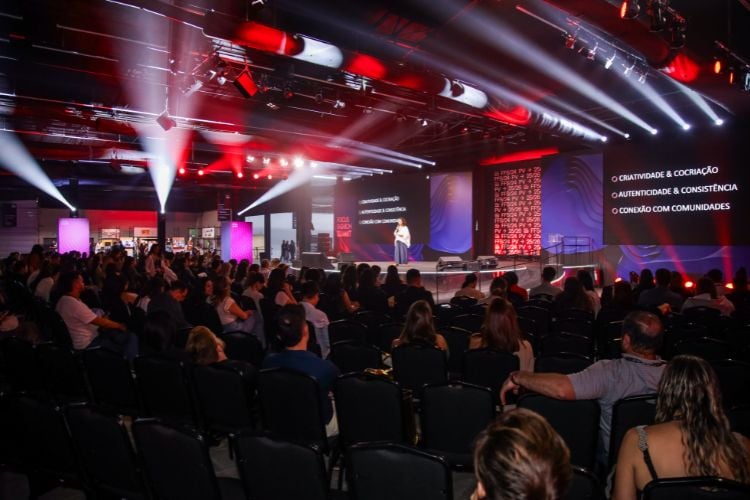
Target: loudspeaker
(345,257)
(245,84)
(316,259)
(487,261)
(450,262)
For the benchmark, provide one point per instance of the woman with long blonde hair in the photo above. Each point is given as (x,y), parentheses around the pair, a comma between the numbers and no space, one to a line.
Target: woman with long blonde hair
(691,436)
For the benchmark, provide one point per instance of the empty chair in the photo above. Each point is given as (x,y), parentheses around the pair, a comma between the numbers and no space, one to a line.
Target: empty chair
(577,422)
(225,393)
(469,322)
(19,364)
(626,414)
(397,472)
(453,415)
(562,362)
(165,389)
(53,328)
(290,406)
(106,453)
(383,336)
(353,356)
(463,302)
(281,470)
(458,341)
(111,380)
(369,408)
(696,488)
(584,486)
(703,315)
(61,372)
(345,329)
(415,365)
(558,342)
(577,314)
(527,325)
(541,316)
(243,347)
(488,368)
(584,327)
(178,466)
(734,378)
(371,320)
(705,347)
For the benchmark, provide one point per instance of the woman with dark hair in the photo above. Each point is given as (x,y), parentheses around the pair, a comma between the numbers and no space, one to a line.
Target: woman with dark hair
(349,281)
(369,296)
(278,288)
(419,327)
(334,300)
(393,283)
(706,296)
(469,288)
(500,331)
(573,296)
(587,282)
(521,457)
(691,436)
(498,288)
(645,282)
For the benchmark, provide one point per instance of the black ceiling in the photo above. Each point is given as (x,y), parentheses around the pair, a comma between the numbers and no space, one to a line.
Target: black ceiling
(83,81)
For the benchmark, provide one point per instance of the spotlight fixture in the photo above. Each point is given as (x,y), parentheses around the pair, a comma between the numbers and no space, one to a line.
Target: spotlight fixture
(423,122)
(339,104)
(273,106)
(642,78)
(686,126)
(165,121)
(718,65)
(270,177)
(256,176)
(283,162)
(730,78)
(266,160)
(298,162)
(181,170)
(629,9)
(718,122)
(456,89)
(288,93)
(313,164)
(240,175)
(201,172)
(195,87)
(221,79)
(245,84)
(591,54)
(250,158)
(609,62)
(629,69)
(570,42)
(367,110)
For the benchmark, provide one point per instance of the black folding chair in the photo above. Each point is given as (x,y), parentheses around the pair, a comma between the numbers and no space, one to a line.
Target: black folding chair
(707,348)
(488,368)
(626,414)
(739,419)
(396,472)
(469,322)
(734,378)
(584,485)
(540,315)
(696,488)
(243,347)
(415,365)
(264,463)
(177,464)
(562,362)
(558,342)
(453,415)
(458,342)
(19,362)
(353,356)
(226,394)
(111,380)
(346,329)
(61,372)
(577,422)
(384,335)
(106,453)
(165,389)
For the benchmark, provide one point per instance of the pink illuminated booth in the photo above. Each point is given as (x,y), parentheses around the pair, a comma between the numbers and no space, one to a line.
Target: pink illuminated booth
(73,235)
(237,241)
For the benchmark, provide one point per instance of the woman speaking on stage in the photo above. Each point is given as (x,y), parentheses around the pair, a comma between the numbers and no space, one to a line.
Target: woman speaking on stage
(402,242)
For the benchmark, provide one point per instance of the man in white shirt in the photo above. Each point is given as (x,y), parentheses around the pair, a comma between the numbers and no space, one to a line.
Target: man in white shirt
(319,319)
(83,323)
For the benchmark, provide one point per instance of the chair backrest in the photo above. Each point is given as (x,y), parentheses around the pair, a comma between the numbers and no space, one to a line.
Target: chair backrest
(165,389)
(176,461)
(353,356)
(290,406)
(106,452)
(696,488)
(458,341)
(541,316)
(369,408)
(415,365)
(626,414)
(574,313)
(453,415)
(584,485)
(371,319)
(397,472)
(225,393)
(705,347)
(488,368)
(734,378)
(346,329)
(385,334)
(562,362)
(558,342)
(19,362)
(243,347)
(111,380)
(53,327)
(469,322)
(577,422)
(579,326)
(739,419)
(61,372)
(463,302)
(282,470)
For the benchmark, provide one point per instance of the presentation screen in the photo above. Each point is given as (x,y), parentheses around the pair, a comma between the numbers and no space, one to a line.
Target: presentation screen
(695,192)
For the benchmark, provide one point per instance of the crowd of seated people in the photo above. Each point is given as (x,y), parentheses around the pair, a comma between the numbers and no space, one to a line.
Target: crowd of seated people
(204,295)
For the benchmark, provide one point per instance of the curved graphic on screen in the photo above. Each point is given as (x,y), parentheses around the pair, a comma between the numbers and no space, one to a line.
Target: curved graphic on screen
(450,212)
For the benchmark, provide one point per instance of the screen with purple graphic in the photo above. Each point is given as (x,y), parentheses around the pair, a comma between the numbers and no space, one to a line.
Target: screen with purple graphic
(73,235)
(237,241)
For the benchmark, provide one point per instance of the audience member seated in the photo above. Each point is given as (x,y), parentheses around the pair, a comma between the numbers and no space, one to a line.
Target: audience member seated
(369,295)
(83,323)
(691,436)
(204,347)
(644,282)
(469,288)
(717,277)
(169,302)
(319,319)
(587,282)
(637,372)
(393,284)
(337,304)
(153,287)
(233,318)
(573,296)
(45,280)
(740,295)
(520,456)
(516,294)
(500,331)
(619,305)
(677,285)
(706,296)
(498,289)
(158,336)
(661,294)
(278,289)
(546,287)
(419,327)
(414,291)
(294,334)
